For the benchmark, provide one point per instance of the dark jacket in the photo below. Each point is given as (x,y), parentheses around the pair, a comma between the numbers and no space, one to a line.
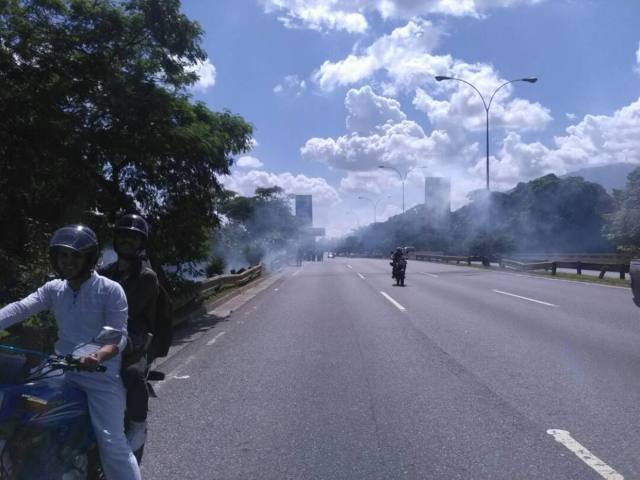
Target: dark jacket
(141,288)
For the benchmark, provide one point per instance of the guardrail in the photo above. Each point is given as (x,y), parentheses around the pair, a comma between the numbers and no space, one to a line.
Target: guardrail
(602,267)
(212,285)
(429,257)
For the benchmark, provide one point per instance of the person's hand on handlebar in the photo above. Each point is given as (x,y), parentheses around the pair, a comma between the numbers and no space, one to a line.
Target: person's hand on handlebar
(91,362)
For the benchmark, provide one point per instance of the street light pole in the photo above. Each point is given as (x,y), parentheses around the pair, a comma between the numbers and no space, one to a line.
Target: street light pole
(487,106)
(375,206)
(402,178)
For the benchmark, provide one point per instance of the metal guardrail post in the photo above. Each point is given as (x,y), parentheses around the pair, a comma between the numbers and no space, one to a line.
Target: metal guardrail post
(554,267)
(579,268)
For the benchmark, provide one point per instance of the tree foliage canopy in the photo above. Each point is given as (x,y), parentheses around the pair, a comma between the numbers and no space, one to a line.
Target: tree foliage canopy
(96,119)
(624,225)
(256,225)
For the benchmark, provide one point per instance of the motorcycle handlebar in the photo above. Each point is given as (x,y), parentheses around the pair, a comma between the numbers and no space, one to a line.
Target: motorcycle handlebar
(69,363)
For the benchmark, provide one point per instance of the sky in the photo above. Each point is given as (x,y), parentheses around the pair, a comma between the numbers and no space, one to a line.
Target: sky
(336,88)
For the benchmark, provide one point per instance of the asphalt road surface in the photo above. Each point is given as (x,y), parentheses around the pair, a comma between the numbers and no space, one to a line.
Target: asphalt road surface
(331,372)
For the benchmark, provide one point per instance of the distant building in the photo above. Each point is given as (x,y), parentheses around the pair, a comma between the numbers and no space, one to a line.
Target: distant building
(437,199)
(304,210)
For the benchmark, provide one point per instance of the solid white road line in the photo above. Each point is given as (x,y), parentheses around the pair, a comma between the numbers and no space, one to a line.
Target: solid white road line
(430,274)
(213,340)
(296,273)
(525,298)
(388,297)
(361,276)
(605,471)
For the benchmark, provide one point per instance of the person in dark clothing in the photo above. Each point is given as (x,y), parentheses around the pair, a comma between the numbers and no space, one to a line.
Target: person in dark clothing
(140,284)
(398,263)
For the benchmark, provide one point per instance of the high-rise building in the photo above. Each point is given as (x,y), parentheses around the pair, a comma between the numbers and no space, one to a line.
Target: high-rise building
(437,198)
(304,210)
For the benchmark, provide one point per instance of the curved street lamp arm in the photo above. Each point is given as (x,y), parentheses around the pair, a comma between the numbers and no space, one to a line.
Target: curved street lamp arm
(486,107)
(503,85)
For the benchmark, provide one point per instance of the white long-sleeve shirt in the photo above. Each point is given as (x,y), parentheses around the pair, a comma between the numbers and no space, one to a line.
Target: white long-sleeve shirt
(80,315)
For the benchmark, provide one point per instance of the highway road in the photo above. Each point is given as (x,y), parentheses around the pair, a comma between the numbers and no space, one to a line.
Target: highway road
(331,372)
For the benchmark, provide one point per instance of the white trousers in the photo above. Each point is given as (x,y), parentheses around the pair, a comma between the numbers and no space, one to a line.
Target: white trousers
(107,401)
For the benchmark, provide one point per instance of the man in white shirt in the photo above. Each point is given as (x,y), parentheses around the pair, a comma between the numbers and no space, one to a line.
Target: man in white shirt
(84,303)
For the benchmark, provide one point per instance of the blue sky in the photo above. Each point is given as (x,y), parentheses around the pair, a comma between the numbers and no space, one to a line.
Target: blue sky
(335,88)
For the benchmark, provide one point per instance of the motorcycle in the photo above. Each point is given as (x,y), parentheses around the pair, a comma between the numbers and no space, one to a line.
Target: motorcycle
(399,270)
(45,428)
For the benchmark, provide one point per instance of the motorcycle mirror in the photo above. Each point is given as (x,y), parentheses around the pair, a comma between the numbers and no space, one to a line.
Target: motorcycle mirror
(108,336)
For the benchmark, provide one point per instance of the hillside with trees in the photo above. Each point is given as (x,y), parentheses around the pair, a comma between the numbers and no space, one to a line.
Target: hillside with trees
(548,214)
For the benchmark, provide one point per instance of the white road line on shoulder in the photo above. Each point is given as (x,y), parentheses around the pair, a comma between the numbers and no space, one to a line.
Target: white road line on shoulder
(349,266)
(388,297)
(296,273)
(361,276)
(604,470)
(430,274)
(213,340)
(525,298)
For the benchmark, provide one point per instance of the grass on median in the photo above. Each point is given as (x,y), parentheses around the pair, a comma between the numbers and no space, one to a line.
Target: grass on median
(585,278)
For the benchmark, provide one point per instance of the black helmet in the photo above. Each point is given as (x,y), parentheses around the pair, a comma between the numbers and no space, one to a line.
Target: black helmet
(133,222)
(76,237)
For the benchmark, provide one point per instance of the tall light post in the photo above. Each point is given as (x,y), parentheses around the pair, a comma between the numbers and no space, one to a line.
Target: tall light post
(402,178)
(375,205)
(487,106)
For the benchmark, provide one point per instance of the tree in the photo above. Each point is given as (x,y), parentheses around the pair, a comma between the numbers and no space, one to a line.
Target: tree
(96,120)
(624,224)
(255,226)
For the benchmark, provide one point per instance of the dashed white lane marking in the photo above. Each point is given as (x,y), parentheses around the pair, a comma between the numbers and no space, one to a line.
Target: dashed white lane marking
(361,276)
(213,340)
(525,298)
(396,304)
(349,266)
(430,274)
(605,471)
(276,289)
(181,377)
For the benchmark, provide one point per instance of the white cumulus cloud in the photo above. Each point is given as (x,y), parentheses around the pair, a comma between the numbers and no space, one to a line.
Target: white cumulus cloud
(595,140)
(249,162)
(351,15)
(206,72)
(368,111)
(291,86)
(245,183)
(403,54)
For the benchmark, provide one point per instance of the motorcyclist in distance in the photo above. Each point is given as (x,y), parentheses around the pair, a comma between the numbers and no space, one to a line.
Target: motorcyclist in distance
(397,256)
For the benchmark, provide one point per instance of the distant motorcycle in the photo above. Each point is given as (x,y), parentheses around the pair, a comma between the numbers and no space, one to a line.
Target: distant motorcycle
(399,270)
